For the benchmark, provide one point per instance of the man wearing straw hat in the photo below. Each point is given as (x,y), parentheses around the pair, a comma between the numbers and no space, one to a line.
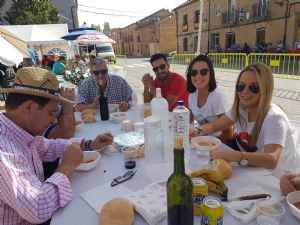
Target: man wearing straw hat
(30,106)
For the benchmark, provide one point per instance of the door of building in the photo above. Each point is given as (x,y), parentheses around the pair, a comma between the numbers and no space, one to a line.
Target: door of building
(151,49)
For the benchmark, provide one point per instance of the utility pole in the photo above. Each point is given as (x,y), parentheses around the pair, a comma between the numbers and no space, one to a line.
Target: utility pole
(200,27)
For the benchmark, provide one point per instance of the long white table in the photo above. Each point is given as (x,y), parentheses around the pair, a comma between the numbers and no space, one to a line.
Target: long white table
(78,212)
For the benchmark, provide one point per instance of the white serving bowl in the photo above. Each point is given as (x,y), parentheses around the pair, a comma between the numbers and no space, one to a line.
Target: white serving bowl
(90,160)
(292,198)
(204,144)
(118,117)
(112,108)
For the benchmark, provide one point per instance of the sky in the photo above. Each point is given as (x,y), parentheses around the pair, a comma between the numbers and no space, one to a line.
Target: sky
(125,12)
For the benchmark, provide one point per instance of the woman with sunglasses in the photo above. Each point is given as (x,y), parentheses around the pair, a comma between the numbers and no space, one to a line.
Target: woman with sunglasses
(206,101)
(264,134)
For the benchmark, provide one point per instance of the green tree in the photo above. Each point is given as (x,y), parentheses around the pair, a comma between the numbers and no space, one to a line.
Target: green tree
(32,12)
(106,27)
(97,27)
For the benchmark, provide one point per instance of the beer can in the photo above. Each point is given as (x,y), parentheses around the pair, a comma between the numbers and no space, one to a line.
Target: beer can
(212,212)
(200,192)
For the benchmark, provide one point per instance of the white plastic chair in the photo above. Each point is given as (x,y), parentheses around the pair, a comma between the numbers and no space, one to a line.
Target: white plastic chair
(296,132)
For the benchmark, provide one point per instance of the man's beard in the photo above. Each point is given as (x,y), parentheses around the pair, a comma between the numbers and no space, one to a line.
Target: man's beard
(162,76)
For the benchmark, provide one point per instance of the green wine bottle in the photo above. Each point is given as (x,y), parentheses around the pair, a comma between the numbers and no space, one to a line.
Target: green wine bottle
(179,190)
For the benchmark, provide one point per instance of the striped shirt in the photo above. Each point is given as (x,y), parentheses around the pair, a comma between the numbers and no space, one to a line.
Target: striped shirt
(25,198)
(116,91)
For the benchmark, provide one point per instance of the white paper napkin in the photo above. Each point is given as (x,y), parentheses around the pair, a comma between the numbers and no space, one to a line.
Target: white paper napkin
(98,196)
(252,189)
(150,202)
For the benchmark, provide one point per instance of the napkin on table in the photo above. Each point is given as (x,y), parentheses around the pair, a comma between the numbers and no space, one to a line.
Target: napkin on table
(150,202)
(98,196)
(249,190)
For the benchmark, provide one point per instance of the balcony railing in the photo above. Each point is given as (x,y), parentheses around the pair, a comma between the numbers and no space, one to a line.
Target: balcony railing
(184,28)
(260,11)
(229,17)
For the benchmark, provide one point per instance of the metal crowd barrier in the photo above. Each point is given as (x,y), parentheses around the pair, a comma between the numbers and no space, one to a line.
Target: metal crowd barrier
(121,59)
(282,65)
(228,61)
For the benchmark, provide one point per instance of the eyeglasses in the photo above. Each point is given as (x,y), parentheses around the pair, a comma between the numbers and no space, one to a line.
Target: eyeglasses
(98,72)
(161,67)
(254,88)
(120,179)
(202,72)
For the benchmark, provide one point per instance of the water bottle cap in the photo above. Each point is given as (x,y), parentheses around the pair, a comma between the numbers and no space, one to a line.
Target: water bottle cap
(180,103)
(158,93)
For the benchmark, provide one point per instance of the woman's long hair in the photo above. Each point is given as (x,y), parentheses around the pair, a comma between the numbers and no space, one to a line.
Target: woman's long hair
(266,85)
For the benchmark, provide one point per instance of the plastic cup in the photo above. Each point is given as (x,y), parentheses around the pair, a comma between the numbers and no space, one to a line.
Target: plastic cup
(269,212)
(146,110)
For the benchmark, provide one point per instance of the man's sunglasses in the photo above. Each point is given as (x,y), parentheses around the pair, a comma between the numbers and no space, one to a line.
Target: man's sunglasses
(100,72)
(161,67)
(254,88)
(202,72)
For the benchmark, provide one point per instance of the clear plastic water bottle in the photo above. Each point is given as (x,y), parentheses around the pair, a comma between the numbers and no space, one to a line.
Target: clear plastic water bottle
(154,145)
(181,124)
(160,107)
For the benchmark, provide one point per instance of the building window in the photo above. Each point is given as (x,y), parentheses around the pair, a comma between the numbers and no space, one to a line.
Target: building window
(185,21)
(230,40)
(217,9)
(195,43)
(185,44)
(214,40)
(197,16)
(260,35)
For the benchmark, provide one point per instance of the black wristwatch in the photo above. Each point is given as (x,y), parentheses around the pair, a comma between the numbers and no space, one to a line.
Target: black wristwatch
(200,131)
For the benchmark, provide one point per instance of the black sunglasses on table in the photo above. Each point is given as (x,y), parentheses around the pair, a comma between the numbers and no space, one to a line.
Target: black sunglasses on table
(120,179)
(100,72)
(202,72)
(161,67)
(254,88)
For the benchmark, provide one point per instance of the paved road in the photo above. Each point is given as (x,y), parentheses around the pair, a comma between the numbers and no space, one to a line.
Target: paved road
(286,93)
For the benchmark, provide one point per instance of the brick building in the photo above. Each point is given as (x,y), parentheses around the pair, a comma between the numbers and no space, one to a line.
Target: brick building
(236,22)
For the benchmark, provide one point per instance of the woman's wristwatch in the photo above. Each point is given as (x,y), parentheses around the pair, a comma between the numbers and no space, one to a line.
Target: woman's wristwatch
(200,131)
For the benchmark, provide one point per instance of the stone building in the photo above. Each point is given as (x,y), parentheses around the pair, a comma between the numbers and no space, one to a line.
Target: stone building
(236,22)
(152,34)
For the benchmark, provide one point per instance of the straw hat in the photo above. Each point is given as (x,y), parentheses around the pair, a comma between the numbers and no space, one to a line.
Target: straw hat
(35,81)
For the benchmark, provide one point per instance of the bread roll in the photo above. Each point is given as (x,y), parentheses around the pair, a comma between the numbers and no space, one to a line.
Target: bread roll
(223,167)
(88,118)
(116,212)
(88,112)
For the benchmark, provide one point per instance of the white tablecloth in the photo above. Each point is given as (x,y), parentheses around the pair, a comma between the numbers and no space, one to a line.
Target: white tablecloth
(78,212)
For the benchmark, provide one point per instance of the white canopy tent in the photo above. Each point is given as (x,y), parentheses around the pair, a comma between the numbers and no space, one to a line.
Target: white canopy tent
(43,37)
(10,55)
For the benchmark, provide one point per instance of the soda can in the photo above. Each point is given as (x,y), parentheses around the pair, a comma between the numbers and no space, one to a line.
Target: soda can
(200,193)
(212,212)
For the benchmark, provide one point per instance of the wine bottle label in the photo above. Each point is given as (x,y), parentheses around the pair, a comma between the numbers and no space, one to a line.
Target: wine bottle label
(178,142)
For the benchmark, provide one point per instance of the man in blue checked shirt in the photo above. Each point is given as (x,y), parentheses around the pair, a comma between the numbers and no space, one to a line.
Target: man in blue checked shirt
(116,89)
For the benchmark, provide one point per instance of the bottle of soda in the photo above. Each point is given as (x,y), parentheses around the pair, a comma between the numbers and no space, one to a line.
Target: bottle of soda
(181,125)
(104,113)
(179,190)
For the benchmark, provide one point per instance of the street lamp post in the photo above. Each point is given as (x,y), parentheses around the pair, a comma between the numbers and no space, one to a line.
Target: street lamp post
(200,27)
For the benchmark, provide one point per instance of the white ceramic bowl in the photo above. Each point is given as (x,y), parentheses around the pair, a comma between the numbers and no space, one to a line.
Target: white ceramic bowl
(204,144)
(118,117)
(90,161)
(112,108)
(292,198)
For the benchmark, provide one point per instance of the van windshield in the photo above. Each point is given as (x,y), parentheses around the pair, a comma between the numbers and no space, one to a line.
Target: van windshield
(104,49)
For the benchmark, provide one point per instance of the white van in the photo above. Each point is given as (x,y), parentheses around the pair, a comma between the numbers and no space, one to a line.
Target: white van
(106,51)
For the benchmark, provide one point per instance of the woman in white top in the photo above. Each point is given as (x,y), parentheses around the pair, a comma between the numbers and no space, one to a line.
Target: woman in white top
(206,101)
(264,134)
